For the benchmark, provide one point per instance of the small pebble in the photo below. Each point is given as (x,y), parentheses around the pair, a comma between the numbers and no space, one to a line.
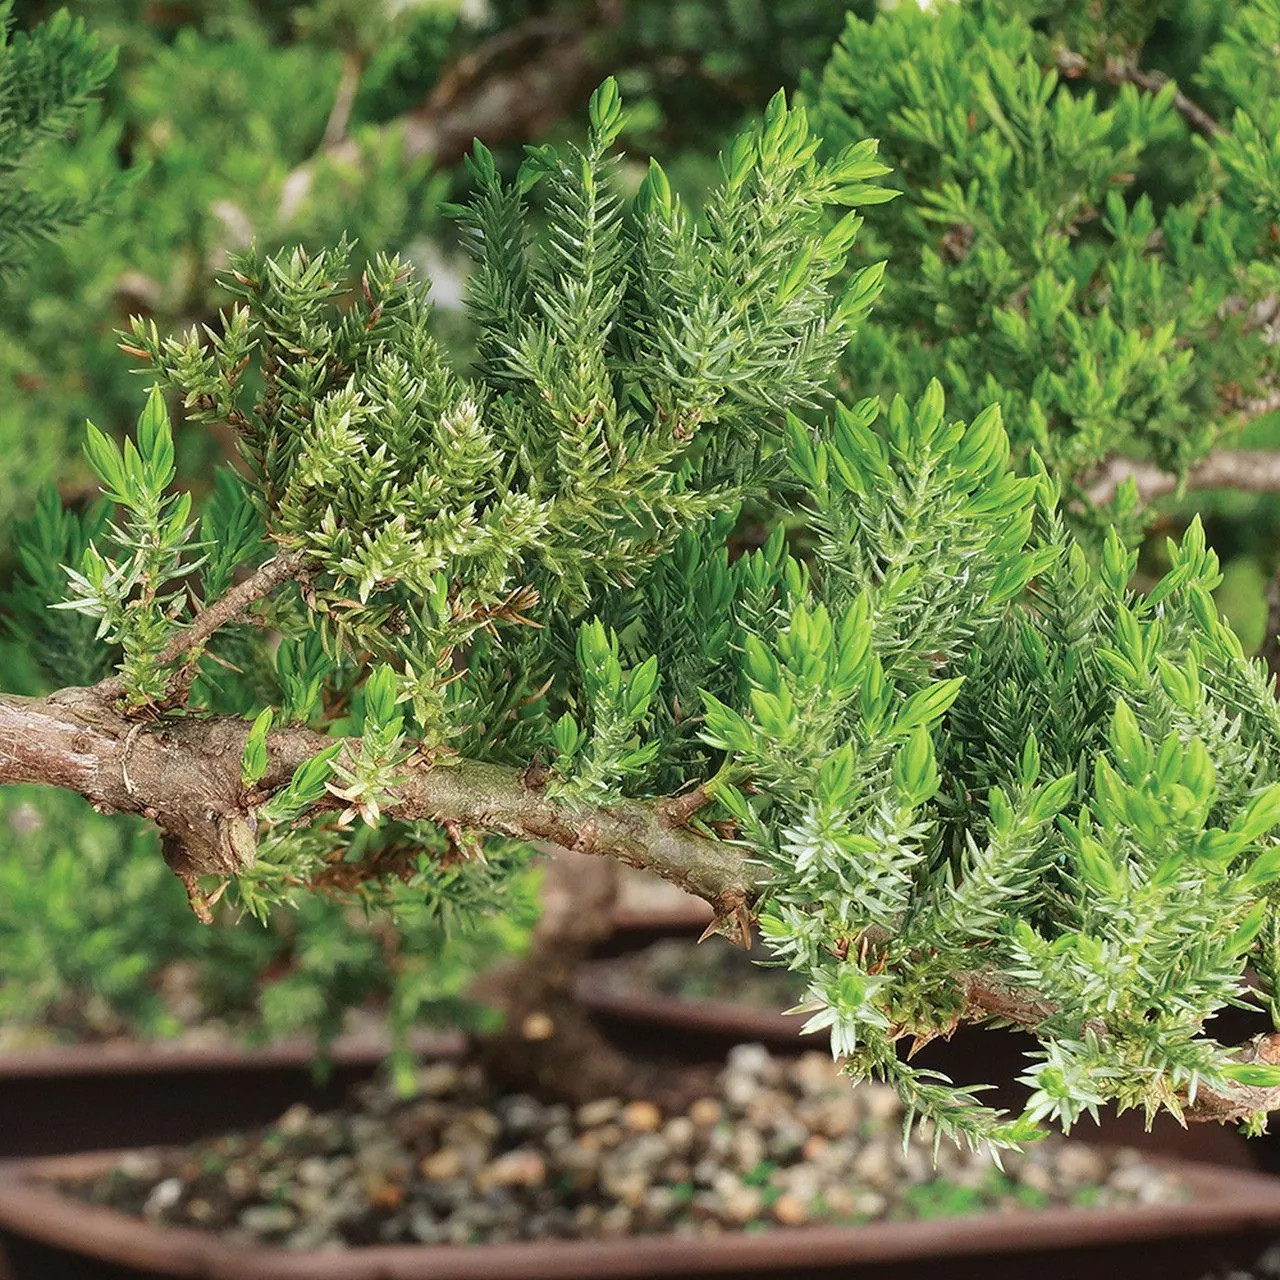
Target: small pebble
(267,1219)
(201,1211)
(791,1211)
(678,1134)
(513,1169)
(1078,1164)
(742,1204)
(164,1195)
(438,1079)
(295,1121)
(444,1165)
(593,1114)
(706,1112)
(642,1117)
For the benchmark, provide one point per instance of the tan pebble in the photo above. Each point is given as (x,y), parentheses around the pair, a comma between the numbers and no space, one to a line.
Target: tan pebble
(764,1108)
(678,1133)
(238,1179)
(706,1112)
(880,1102)
(587,1145)
(815,1147)
(1080,1164)
(642,1117)
(838,1115)
(201,1211)
(295,1120)
(443,1166)
(742,1205)
(812,1072)
(615,1222)
(537,1026)
(874,1164)
(870,1204)
(513,1169)
(839,1203)
(593,1114)
(384,1195)
(791,1211)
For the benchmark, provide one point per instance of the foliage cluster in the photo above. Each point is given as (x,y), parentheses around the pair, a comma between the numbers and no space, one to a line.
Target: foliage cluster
(95,946)
(974,773)
(1079,257)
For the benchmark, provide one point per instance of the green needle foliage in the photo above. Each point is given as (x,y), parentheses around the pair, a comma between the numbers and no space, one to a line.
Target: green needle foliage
(973,774)
(634,364)
(48,79)
(1066,249)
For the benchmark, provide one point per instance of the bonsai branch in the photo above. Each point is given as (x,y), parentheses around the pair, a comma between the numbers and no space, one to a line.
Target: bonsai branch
(1116,72)
(510,88)
(184,774)
(1246,470)
(988,997)
(190,640)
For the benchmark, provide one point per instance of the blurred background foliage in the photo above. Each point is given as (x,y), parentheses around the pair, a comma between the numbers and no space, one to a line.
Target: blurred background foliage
(281,123)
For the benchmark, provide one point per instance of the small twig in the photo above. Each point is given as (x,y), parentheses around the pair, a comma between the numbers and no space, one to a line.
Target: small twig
(511,87)
(227,608)
(1116,72)
(335,128)
(990,996)
(675,811)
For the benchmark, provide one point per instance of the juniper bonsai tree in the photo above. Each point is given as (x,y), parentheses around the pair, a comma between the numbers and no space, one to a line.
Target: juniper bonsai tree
(946,761)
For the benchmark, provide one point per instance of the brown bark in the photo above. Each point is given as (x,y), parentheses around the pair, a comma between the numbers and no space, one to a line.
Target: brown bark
(188,642)
(1246,470)
(335,129)
(1116,72)
(511,88)
(548,1044)
(184,773)
(989,996)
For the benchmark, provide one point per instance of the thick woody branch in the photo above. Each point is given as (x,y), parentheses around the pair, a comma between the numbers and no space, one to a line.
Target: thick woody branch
(184,774)
(503,801)
(1246,470)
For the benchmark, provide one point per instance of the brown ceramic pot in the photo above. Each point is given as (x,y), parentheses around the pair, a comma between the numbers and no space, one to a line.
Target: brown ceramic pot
(1231,1217)
(91,1097)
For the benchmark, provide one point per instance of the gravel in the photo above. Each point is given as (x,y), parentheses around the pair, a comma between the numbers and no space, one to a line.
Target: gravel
(783,1143)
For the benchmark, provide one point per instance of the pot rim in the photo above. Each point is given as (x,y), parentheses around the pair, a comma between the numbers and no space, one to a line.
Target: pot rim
(139,1057)
(1224,1202)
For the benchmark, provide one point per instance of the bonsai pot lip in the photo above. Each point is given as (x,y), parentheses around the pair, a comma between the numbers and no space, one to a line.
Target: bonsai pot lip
(1224,1202)
(133,1057)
